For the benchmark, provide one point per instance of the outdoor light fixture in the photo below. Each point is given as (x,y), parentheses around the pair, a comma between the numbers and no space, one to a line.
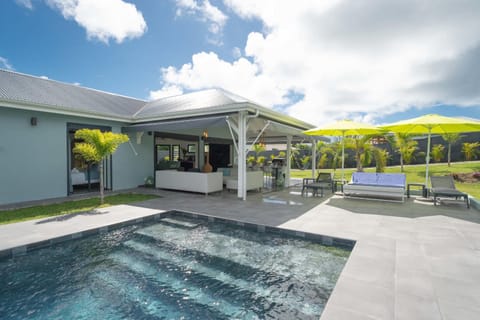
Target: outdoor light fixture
(205,135)
(262,141)
(33,121)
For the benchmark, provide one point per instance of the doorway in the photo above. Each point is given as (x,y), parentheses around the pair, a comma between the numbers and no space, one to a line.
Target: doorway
(84,176)
(219,155)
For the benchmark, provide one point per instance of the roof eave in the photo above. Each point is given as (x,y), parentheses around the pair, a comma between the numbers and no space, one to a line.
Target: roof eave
(60,110)
(283,118)
(214,110)
(230,108)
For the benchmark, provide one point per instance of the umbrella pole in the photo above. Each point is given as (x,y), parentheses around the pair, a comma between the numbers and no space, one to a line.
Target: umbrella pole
(428,157)
(343,156)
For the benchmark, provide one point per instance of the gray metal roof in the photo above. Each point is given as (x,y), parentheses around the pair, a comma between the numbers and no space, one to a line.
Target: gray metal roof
(54,95)
(206,99)
(28,92)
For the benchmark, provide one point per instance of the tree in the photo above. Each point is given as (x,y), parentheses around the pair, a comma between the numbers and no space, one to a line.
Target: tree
(437,152)
(305,161)
(294,155)
(261,160)
(470,150)
(363,150)
(331,154)
(381,156)
(258,148)
(97,146)
(406,147)
(451,139)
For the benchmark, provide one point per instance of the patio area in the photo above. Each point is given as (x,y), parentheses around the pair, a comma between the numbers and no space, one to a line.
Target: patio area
(411,260)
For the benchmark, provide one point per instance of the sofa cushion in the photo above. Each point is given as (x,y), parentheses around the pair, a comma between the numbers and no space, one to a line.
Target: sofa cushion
(379,179)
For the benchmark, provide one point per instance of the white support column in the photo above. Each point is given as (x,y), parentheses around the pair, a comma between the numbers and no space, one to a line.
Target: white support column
(314,157)
(289,161)
(242,155)
(201,153)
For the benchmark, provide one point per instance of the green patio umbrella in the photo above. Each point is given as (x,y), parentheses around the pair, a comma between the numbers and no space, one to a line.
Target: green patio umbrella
(343,128)
(433,123)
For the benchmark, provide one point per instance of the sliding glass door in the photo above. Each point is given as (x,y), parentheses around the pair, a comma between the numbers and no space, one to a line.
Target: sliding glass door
(84,176)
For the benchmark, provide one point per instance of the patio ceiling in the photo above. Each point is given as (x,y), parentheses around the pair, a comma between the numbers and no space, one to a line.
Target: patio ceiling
(217,127)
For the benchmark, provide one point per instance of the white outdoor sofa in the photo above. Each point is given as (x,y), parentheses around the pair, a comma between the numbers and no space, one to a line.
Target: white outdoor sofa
(377,186)
(254,181)
(189,181)
(230,178)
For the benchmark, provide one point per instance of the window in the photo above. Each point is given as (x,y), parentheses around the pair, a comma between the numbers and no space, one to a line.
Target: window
(163,152)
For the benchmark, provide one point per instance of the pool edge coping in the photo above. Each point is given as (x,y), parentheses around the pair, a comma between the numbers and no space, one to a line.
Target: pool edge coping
(24,249)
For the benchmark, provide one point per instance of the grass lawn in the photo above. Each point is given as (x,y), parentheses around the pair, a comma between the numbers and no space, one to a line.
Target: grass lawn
(416,173)
(50,210)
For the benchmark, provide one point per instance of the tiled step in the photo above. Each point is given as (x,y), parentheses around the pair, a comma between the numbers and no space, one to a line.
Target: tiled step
(163,280)
(316,267)
(231,285)
(306,298)
(119,287)
(242,270)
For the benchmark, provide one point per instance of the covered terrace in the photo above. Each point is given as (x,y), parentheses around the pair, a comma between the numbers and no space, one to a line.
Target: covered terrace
(227,118)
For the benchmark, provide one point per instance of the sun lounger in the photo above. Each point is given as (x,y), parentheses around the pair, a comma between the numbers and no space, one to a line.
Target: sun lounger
(377,186)
(323,180)
(445,187)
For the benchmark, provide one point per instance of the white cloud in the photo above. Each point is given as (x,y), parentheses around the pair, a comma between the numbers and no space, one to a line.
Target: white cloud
(207,70)
(105,19)
(205,12)
(167,91)
(5,64)
(25,3)
(357,59)
(236,52)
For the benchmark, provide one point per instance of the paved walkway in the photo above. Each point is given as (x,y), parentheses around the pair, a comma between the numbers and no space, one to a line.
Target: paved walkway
(411,260)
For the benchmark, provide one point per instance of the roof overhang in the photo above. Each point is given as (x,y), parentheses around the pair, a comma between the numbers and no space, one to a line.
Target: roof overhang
(178,124)
(60,110)
(217,126)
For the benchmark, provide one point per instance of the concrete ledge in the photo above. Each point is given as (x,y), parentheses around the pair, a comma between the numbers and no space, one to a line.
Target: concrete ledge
(20,238)
(24,249)
(51,238)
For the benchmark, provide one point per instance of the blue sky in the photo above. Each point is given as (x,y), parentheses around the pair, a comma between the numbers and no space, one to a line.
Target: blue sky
(371,61)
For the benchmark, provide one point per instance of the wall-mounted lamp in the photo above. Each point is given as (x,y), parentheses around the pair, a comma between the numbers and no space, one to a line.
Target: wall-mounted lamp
(139,137)
(205,135)
(33,121)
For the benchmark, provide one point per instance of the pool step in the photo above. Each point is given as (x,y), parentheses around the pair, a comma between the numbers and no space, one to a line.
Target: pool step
(163,279)
(307,265)
(125,289)
(258,291)
(118,293)
(265,288)
(86,303)
(181,223)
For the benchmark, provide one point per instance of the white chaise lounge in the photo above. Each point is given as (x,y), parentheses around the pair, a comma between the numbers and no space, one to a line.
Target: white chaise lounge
(378,186)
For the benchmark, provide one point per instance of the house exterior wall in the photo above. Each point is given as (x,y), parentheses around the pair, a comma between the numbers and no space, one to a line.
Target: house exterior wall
(130,169)
(34,159)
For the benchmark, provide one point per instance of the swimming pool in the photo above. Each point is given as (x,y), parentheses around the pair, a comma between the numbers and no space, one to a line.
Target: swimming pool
(176,268)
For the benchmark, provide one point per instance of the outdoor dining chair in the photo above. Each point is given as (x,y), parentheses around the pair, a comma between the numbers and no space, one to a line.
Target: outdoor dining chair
(323,180)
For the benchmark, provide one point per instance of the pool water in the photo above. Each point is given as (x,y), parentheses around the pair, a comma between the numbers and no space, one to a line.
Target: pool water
(176,268)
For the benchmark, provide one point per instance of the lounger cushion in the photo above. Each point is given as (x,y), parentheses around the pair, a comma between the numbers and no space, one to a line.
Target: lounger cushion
(379,179)
(376,185)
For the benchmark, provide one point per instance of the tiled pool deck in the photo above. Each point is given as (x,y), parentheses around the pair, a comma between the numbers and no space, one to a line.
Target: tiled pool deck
(411,260)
